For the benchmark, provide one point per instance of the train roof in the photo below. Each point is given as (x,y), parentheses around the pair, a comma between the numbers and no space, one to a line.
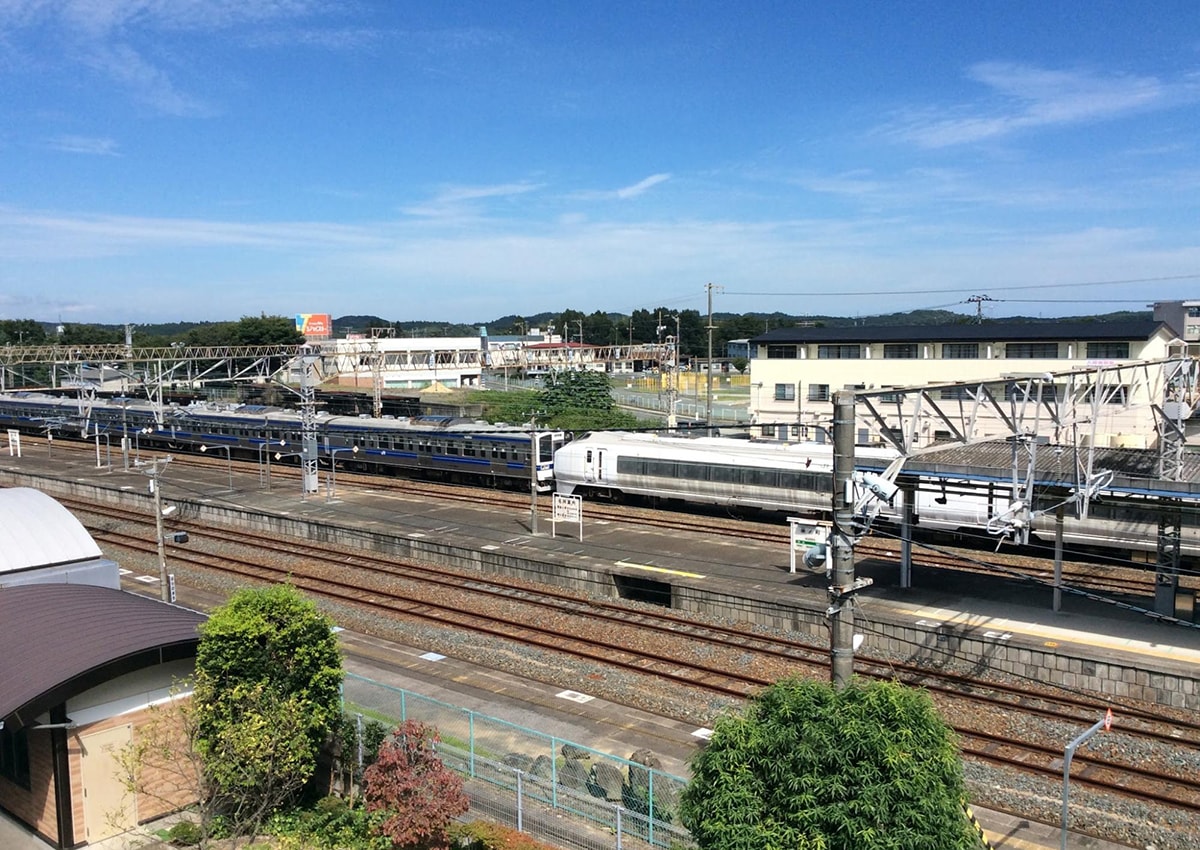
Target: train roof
(281,416)
(644,441)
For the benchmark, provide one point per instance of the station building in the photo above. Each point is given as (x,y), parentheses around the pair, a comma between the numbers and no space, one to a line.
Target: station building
(82,667)
(795,371)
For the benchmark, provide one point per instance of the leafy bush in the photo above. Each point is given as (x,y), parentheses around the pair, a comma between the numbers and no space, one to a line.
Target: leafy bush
(186,833)
(481,835)
(331,824)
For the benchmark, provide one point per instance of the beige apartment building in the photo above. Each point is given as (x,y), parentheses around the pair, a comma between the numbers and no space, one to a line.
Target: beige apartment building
(795,372)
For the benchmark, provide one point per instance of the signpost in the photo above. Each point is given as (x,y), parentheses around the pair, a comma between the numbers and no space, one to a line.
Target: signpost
(566,509)
(810,538)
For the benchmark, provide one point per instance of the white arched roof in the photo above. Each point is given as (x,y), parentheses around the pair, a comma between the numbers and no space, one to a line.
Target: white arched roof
(36,531)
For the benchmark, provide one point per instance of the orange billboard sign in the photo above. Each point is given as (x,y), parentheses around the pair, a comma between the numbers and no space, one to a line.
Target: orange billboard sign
(314,324)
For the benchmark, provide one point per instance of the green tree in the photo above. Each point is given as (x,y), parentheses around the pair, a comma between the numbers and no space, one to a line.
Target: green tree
(267,695)
(417,797)
(22,332)
(75,334)
(580,400)
(249,330)
(807,767)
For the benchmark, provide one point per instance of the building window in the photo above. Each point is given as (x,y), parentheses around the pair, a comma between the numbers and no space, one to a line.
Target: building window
(1108,350)
(960,351)
(839,352)
(955,393)
(785,392)
(1031,351)
(818,392)
(1193,312)
(14,757)
(781,352)
(900,351)
(1028,390)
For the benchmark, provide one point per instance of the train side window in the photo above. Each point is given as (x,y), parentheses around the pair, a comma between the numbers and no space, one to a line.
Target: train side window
(725,474)
(451,449)
(588,456)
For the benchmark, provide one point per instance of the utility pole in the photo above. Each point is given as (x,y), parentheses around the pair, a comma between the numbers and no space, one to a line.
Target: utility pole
(709,397)
(156,490)
(978,300)
(580,323)
(672,419)
(842,587)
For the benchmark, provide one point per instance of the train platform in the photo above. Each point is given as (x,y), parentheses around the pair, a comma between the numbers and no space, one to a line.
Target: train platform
(981,603)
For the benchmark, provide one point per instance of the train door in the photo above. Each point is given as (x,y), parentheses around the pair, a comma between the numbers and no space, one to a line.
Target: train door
(594,465)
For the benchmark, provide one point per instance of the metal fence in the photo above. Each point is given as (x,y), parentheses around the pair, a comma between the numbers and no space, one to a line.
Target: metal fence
(558,791)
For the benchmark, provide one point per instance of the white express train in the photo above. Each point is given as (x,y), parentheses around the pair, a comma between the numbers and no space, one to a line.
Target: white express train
(797,478)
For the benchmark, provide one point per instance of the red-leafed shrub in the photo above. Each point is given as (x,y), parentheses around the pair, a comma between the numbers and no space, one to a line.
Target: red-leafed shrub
(416,794)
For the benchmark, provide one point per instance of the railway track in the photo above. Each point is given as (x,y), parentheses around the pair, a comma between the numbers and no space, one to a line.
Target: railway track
(666,647)
(1118,579)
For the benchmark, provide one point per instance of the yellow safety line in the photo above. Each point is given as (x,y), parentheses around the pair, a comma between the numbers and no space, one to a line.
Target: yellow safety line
(659,570)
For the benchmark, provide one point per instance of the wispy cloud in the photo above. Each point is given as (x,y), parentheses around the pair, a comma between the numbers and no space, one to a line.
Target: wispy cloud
(103,35)
(31,234)
(85,144)
(1028,97)
(459,200)
(642,185)
(623,193)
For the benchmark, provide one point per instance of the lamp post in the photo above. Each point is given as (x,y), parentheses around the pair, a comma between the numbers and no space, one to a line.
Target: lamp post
(125,432)
(281,455)
(262,450)
(107,449)
(228,460)
(331,489)
(533,481)
(137,448)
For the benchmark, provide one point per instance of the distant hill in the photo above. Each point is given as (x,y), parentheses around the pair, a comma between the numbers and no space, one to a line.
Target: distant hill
(736,323)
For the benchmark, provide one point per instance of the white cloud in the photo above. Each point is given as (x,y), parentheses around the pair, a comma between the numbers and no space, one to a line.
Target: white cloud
(623,193)
(642,185)
(458,201)
(102,35)
(85,144)
(1028,97)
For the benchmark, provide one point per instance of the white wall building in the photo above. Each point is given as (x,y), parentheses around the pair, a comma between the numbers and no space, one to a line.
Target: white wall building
(795,371)
(404,363)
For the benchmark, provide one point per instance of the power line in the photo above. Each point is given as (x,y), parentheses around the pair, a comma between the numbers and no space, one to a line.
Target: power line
(893,292)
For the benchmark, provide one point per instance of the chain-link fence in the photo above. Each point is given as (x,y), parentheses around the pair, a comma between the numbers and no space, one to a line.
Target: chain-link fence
(558,791)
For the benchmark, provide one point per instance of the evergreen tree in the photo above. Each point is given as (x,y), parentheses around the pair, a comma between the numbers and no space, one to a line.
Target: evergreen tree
(267,694)
(808,767)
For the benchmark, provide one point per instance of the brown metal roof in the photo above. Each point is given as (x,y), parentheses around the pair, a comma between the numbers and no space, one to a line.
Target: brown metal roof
(58,640)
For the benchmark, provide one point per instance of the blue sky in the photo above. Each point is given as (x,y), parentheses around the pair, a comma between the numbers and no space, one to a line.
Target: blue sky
(166,160)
